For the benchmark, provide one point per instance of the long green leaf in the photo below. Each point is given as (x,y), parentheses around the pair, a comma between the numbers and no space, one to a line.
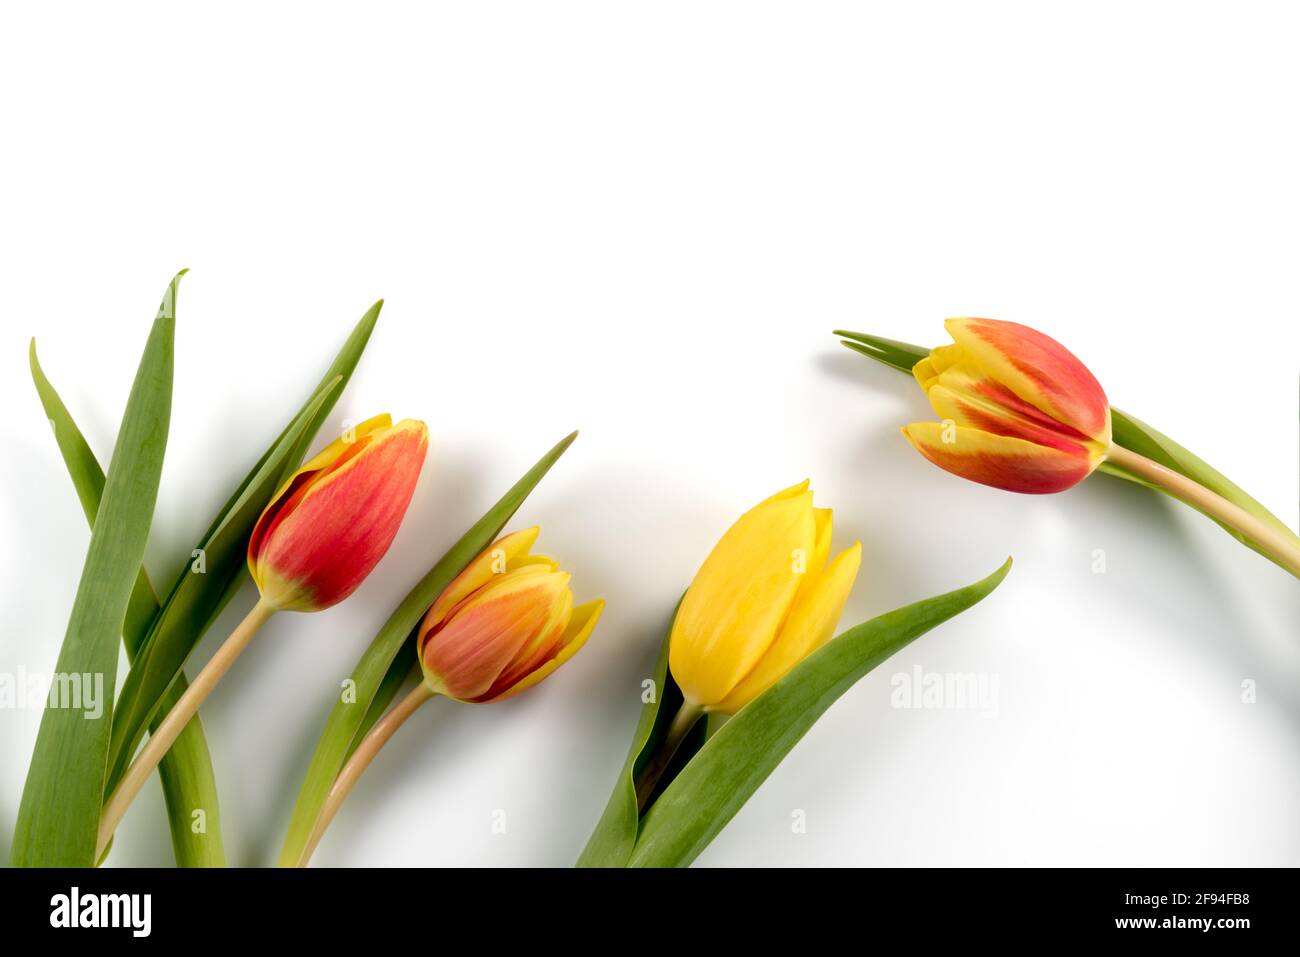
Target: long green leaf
(59,814)
(405,667)
(188,782)
(88,482)
(731,765)
(614,838)
(375,675)
(1127,431)
(195,600)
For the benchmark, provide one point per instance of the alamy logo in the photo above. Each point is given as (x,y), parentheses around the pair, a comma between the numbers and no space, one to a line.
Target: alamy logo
(33,690)
(102,910)
(944,691)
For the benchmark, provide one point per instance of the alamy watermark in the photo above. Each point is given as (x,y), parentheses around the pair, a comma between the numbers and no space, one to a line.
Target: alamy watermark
(130,911)
(919,689)
(33,690)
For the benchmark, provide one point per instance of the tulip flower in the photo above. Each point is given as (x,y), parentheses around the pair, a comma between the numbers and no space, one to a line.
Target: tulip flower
(1021,413)
(505,623)
(765,598)
(329,525)
(319,537)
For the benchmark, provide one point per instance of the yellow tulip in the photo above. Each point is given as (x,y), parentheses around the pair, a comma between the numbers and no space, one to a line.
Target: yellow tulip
(764,599)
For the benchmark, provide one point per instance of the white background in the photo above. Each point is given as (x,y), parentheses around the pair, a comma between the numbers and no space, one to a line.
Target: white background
(643,221)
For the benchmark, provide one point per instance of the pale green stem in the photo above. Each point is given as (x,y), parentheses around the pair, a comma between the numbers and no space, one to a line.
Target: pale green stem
(682,723)
(161,740)
(360,760)
(1269,539)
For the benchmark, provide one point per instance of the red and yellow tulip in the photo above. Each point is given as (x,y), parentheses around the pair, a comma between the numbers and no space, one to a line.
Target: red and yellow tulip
(334,519)
(505,623)
(764,599)
(1021,412)
(317,540)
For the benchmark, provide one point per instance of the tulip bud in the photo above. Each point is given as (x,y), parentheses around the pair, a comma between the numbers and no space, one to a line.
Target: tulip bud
(1023,414)
(332,522)
(764,600)
(505,623)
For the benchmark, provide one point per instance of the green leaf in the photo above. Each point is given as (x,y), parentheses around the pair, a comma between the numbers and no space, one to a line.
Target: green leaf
(195,600)
(376,678)
(88,481)
(731,765)
(1127,431)
(59,814)
(341,369)
(404,667)
(614,838)
(186,770)
(901,355)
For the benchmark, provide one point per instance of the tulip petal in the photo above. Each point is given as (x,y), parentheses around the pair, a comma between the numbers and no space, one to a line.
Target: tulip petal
(581,624)
(988,406)
(292,490)
(997,460)
(498,558)
(463,658)
(1038,369)
(742,593)
(810,625)
(540,647)
(793,492)
(814,564)
(940,359)
(344,442)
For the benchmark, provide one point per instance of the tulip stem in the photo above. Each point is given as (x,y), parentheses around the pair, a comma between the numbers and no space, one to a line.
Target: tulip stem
(1272,541)
(687,715)
(375,739)
(178,717)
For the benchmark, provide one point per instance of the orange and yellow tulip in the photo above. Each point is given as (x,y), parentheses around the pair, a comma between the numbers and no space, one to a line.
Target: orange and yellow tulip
(764,599)
(334,519)
(500,627)
(505,623)
(1021,412)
